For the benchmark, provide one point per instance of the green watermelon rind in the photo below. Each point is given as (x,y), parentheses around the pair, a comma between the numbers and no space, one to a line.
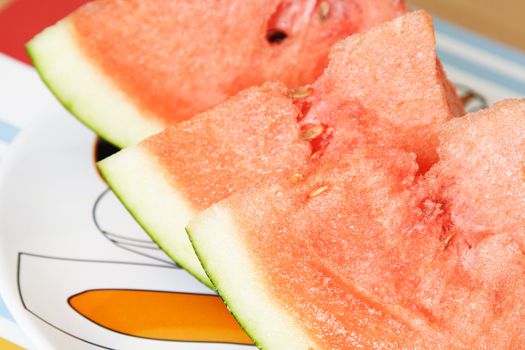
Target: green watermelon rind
(162,213)
(219,246)
(84,90)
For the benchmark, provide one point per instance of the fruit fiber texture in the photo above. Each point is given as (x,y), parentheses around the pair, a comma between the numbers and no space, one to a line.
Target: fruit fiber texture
(253,135)
(366,253)
(393,72)
(178,58)
(399,100)
(165,61)
(271,131)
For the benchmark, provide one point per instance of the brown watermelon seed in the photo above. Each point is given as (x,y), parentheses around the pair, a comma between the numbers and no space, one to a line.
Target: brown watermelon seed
(318,191)
(316,155)
(311,132)
(324,10)
(301,92)
(447,241)
(297,177)
(276,36)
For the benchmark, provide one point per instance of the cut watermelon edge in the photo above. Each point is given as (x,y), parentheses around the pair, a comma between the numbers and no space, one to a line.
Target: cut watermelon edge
(132,171)
(80,86)
(219,246)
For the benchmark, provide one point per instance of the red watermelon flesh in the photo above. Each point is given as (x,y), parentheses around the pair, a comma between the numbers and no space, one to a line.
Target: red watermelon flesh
(405,110)
(249,137)
(482,170)
(268,131)
(178,58)
(364,253)
(403,93)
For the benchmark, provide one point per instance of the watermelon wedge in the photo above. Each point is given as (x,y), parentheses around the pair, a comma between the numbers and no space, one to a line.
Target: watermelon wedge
(363,253)
(262,132)
(129,68)
(170,177)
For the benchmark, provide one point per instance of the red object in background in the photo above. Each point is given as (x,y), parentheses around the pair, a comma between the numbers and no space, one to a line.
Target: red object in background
(23,19)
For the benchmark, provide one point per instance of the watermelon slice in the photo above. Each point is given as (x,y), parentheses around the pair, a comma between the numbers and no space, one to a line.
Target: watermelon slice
(363,253)
(168,178)
(129,68)
(262,132)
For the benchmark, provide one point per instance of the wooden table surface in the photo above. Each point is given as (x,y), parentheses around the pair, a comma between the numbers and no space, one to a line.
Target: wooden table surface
(3,3)
(502,20)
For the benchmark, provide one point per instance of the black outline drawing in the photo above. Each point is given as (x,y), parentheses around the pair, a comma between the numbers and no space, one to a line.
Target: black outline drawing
(19,288)
(20,295)
(126,243)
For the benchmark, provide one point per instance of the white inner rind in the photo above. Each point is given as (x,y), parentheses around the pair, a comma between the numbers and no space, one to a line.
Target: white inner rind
(220,247)
(85,90)
(139,182)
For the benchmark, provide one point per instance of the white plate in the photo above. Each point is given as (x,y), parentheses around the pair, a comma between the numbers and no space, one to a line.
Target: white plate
(64,234)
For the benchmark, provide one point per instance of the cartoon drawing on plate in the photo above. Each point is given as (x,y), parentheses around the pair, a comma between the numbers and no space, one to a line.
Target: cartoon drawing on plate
(111,297)
(110,303)
(106,212)
(160,315)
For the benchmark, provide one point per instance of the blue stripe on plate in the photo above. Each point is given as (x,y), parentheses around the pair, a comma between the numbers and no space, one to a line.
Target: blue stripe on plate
(3,311)
(7,132)
(483,72)
(479,41)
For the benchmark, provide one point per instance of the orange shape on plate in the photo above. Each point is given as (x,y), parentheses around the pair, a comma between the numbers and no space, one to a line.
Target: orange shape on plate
(160,315)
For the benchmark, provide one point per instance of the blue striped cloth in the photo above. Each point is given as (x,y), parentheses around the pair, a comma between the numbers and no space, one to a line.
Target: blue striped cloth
(481,57)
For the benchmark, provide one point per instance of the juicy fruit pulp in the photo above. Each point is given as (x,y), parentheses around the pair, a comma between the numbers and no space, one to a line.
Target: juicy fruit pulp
(265,132)
(345,108)
(208,158)
(213,42)
(252,135)
(165,61)
(382,257)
